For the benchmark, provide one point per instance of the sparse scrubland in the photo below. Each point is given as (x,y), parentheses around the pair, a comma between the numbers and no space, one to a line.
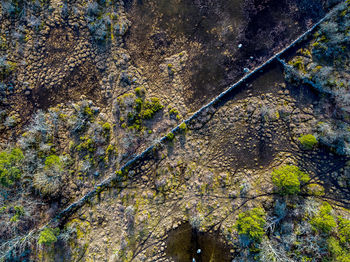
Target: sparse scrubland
(103,156)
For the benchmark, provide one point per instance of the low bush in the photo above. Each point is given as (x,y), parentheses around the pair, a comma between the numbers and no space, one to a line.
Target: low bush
(140,91)
(334,246)
(48,179)
(344,230)
(134,109)
(338,252)
(48,236)
(308,141)
(323,221)
(250,225)
(10,170)
(183,126)
(170,136)
(287,179)
(53,161)
(150,108)
(19,211)
(106,130)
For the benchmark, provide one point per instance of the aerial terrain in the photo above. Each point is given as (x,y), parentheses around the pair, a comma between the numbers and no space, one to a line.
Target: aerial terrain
(175,130)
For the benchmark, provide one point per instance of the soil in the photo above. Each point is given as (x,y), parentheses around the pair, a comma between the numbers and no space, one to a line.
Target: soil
(187,244)
(212,37)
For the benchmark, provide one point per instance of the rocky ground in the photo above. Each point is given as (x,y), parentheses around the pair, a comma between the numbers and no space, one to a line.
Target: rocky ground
(206,176)
(87,86)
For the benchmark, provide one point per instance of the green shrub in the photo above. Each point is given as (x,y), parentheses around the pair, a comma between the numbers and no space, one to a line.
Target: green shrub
(174,111)
(48,236)
(146,114)
(140,91)
(323,221)
(9,166)
(19,211)
(111,150)
(298,62)
(287,179)
(334,247)
(138,104)
(88,144)
(308,141)
(344,257)
(138,109)
(106,127)
(339,253)
(106,130)
(87,111)
(251,224)
(3,209)
(183,126)
(170,136)
(150,108)
(344,230)
(315,189)
(53,161)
